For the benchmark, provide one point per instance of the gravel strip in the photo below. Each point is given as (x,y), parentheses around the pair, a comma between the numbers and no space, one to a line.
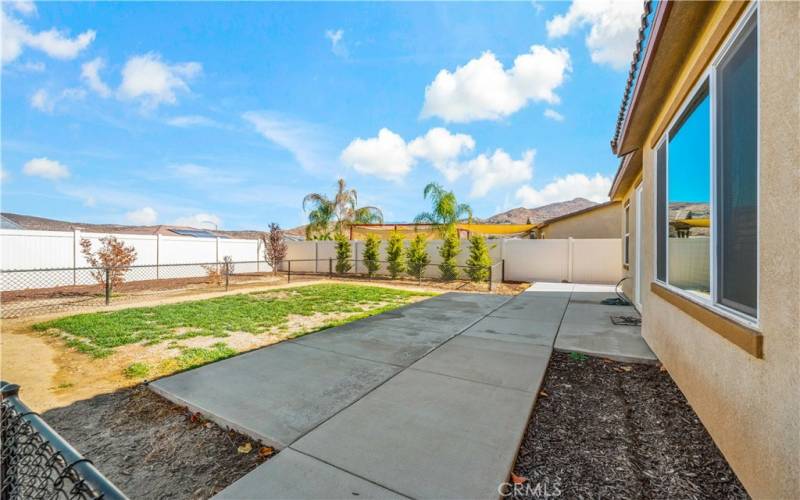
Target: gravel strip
(603,429)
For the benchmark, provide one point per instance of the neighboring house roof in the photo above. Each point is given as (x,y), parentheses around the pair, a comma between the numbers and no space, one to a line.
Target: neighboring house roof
(6,223)
(579,212)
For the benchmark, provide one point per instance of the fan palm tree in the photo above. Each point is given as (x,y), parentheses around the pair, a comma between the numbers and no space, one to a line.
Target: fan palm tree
(334,215)
(446,211)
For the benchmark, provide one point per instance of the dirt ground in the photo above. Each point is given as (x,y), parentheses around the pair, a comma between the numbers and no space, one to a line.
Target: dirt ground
(602,429)
(150,448)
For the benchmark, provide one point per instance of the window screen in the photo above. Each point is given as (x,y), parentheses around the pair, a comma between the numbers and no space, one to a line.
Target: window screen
(661,213)
(737,184)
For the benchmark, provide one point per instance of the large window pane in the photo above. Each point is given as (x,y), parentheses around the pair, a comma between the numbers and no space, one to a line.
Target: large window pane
(689,195)
(737,134)
(661,213)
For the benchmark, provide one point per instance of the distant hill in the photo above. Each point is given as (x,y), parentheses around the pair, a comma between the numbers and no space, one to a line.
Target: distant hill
(539,214)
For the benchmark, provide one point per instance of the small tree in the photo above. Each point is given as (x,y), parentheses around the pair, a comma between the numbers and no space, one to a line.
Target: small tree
(451,247)
(417,256)
(216,273)
(343,254)
(394,254)
(372,247)
(113,255)
(479,261)
(275,248)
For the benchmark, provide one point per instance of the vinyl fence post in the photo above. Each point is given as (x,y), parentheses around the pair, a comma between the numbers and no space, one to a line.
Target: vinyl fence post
(108,286)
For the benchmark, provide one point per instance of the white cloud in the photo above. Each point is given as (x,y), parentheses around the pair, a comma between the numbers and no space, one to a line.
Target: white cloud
(55,43)
(489,172)
(338,46)
(553,115)
(45,102)
(143,217)
(614,25)
(191,121)
(152,81)
(24,7)
(483,89)
(304,141)
(566,188)
(32,66)
(3,175)
(90,73)
(442,149)
(385,156)
(200,220)
(46,169)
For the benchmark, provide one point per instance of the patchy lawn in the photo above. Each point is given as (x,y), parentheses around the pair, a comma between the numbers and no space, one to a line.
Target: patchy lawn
(108,350)
(99,333)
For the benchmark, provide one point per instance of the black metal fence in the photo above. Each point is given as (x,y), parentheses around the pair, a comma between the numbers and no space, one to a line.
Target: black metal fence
(28,292)
(37,463)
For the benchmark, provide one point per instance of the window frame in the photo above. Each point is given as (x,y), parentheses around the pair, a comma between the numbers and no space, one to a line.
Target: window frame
(626,238)
(709,77)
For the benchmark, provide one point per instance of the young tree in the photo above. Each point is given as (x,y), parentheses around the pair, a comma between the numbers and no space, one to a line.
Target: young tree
(343,254)
(479,261)
(274,246)
(372,249)
(394,254)
(417,256)
(451,247)
(112,255)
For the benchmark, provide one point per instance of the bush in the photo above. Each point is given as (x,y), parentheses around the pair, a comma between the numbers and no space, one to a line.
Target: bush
(479,261)
(417,256)
(343,254)
(372,247)
(394,254)
(451,247)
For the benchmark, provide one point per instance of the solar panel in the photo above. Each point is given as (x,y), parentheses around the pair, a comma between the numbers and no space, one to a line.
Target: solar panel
(197,233)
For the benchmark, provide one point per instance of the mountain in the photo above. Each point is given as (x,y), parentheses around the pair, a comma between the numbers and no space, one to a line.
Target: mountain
(536,215)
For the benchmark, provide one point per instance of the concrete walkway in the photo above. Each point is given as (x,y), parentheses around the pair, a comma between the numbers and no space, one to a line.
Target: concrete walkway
(427,401)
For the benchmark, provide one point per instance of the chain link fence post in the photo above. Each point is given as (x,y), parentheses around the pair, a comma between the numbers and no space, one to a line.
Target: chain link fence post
(227,268)
(490,278)
(330,268)
(108,285)
(289,272)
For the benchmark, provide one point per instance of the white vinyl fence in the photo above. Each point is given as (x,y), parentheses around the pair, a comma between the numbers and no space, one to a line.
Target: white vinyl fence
(575,260)
(24,249)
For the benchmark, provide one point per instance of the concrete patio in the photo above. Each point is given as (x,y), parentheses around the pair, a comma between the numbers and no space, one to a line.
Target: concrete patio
(426,401)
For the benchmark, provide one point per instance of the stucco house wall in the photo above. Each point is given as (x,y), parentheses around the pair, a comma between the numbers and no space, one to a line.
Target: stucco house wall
(600,222)
(750,405)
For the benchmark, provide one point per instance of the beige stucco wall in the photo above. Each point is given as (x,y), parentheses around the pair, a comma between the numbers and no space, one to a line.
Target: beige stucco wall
(603,222)
(750,406)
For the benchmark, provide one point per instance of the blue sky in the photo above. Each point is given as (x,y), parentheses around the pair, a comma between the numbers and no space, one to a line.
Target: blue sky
(184,112)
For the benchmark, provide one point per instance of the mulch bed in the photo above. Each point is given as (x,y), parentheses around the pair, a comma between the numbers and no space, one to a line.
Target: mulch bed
(602,429)
(151,448)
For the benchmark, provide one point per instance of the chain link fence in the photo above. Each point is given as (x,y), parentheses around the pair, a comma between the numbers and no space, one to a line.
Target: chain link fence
(27,292)
(37,463)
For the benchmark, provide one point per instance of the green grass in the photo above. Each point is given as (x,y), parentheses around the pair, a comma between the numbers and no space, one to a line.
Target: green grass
(137,370)
(97,334)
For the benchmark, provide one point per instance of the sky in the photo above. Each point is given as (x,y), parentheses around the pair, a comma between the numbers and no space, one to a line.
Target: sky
(229,113)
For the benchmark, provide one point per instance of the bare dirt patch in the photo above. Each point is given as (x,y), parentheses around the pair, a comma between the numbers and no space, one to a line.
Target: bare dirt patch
(151,448)
(603,429)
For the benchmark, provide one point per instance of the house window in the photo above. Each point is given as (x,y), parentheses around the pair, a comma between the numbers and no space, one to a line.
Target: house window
(627,240)
(707,205)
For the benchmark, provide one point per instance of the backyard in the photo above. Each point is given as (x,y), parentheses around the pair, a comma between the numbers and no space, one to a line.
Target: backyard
(88,354)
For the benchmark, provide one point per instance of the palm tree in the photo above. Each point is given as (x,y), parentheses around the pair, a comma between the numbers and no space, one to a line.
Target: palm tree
(334,215)
(446,211)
